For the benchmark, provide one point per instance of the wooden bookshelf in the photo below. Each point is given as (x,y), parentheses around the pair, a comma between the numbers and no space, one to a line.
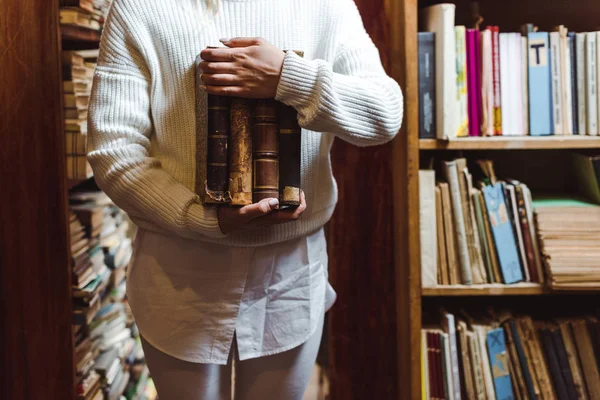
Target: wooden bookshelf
(512,143)
(409,150)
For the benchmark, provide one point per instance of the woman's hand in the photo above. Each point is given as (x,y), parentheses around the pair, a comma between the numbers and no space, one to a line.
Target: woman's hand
(247,67)
(263,213)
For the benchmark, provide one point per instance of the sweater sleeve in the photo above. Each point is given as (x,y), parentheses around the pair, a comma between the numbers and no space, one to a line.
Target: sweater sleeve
(352,97)
(120,125)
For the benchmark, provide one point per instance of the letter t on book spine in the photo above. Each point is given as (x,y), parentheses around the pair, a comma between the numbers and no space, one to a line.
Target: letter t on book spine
(266,151)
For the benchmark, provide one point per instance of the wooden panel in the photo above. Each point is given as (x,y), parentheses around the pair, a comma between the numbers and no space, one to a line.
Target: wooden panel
(508,143)
(363,321)
(35,320)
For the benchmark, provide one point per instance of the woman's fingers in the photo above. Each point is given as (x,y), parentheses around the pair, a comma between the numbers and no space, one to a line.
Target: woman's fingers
(218,54)
(211,67)
(221,80)
(281,216)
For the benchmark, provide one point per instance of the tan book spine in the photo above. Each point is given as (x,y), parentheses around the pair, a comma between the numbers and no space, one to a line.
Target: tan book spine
(450,242)
(265,143)
(586,355)
(461,167)
(478,378)
(466,360)
(574,362)
(240,152)
(477,250)
(443,276)
(516,372)
(491,244)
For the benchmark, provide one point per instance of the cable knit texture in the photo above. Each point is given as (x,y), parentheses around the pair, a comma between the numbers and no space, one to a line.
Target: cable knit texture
(141,115)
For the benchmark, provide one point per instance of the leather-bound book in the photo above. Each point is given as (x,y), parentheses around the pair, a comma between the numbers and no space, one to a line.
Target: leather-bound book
(266,150)
(240,152)
(289,162)
(217,150)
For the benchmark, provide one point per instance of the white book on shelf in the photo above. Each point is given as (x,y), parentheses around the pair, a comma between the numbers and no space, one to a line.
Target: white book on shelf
(525,84)
(580,73)
(505,84)
(487,84)
(428,228)
(517,84)
(557,106)
(565,77)
(591,58)
(440,20)
(597,82)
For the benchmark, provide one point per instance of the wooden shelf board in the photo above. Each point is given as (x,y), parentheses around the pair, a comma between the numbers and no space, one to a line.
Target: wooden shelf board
(520,289)
(512,143)
(74,33)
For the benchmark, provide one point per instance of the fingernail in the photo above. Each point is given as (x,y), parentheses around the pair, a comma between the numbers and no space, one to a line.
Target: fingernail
(273,203)
(223,40)
(202,87)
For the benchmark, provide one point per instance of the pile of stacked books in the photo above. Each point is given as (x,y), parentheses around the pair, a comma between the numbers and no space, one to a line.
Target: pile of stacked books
(569,232)
(476,82)
(108,350)
(89,14)
(476,233)
(506,357)
(78,73)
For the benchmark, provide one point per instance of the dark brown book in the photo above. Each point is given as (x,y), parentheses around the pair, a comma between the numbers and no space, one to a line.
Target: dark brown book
(553,364)
(240,152)
(290,149)
(266,150)
(526,233)
(217,178)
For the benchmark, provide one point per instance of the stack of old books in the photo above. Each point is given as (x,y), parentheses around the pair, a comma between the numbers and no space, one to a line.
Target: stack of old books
(78,72)
(511,357)
(569,232)
(89,14)
(108,350)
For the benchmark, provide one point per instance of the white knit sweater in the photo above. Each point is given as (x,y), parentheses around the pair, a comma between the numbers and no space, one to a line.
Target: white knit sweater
(141,115)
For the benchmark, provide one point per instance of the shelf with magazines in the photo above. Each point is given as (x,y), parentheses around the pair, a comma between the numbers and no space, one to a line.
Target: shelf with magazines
(512,143)
(533,212)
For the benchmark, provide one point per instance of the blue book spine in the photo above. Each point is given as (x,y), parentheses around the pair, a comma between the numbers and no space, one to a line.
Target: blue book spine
(502,230)
(496,346)
(540,85)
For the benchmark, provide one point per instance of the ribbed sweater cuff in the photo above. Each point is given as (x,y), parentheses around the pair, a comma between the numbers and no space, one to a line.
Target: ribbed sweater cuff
(203,220)
(297,81)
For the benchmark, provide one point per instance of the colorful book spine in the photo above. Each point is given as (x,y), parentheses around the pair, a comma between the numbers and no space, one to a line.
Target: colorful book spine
(540,84)
(474,81)
(503,233)
(240,152)
(487,83)
(591,89)
(427,120)
(266,151)
(496,346)
(496,70)
(462,86)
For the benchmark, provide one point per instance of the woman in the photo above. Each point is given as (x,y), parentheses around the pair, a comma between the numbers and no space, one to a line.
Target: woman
(208,285)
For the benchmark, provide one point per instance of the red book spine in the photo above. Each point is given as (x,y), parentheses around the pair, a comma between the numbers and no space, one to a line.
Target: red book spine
(496,65)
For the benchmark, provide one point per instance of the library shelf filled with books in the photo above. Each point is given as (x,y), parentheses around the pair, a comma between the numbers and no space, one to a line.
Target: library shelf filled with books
(541,162)
(512,143)
(79,34)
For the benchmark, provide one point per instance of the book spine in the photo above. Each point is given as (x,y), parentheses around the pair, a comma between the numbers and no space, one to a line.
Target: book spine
(496,346)
(476,200)
(442,254)
(540,85)
(505,82)
(487,83)
(461,82)
(573,359)
(591,90)
(266,151)
(428,228)
(525,85)
(557,104)
(427,117)
(449,234)
(522,359)
(565,77)
(290,144)
(555,372)
(240,152)
(563,362)
(446,366)
(474,88)
(440,20)
(425,393)
(581,97)
(526,235)
(450,325)
(217,150)
(497,89)
(574,89)
(514,213)
(597,52)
